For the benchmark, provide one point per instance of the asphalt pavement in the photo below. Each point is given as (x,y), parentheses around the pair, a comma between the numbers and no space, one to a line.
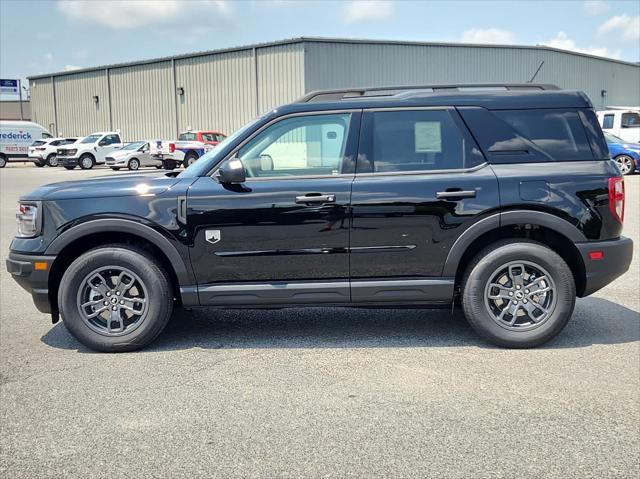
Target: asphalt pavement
(319,392)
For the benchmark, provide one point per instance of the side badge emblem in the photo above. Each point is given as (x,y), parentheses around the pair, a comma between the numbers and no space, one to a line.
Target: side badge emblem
(212,236)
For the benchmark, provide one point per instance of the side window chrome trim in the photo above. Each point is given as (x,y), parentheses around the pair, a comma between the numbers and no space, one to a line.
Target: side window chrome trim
(424,172)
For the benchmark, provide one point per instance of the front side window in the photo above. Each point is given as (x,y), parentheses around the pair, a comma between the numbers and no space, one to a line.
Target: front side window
(311,145)
(110,140)
(630,120)
(91,139)
(419,140)
(210,137)
(607,122)
(558,133)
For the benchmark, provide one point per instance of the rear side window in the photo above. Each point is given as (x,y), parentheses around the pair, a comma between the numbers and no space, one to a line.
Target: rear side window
(188,136)
(418,140)
(38,143)
(558,133)
(607,122)
(630,120)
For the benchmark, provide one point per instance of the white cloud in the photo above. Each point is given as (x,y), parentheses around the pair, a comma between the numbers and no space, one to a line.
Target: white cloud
(488,35)
(563,42)
(134,14)
(357,11)
(595,7)
(69,68)
(628,26)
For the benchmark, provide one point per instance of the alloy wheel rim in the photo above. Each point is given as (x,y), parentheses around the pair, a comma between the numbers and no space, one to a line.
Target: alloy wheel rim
(624,163)
(86,162)
(53,161)
(134,164)
(520,296)
(112,301)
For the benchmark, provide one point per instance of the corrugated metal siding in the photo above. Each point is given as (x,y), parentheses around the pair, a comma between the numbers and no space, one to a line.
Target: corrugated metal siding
(42,103)
(78,113)
(280,75)
(219,91)
(338,65)
(142,101)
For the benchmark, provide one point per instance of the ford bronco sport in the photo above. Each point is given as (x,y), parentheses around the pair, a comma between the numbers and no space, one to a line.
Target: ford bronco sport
(500,197)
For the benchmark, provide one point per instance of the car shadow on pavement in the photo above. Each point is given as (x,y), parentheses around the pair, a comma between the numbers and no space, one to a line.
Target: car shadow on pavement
(595,321)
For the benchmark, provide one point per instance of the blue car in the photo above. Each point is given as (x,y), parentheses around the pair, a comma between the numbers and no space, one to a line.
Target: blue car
(626,155)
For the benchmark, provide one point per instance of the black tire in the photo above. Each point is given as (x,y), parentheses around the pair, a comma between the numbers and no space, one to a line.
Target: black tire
(3,161)
(52,160)
(84,161)
(189,159)
(169,165)
(115,168)
(159,167)
(481,272)
(159,297)
(134,164)
(69,167)
(39,163)
(626,164)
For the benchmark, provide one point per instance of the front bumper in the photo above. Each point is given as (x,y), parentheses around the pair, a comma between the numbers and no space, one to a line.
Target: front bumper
(36,281)
(68,160)
(615,261)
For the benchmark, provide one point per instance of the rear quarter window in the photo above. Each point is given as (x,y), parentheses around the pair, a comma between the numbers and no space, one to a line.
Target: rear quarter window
(559,134)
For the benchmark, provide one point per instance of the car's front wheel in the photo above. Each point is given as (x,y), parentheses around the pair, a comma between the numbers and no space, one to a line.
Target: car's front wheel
(86,162)
(52,160)
(518,293)
(115,298)
(189,160)
(134,164)
(626,164)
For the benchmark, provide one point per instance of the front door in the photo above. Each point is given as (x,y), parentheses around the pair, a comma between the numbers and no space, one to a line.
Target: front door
(282,237)
(107,145)
(420,182)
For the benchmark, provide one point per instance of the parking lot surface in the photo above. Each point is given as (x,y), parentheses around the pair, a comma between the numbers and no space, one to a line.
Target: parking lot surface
(319,392)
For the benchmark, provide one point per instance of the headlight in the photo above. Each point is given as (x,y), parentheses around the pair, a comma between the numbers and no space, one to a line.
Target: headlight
(29,219)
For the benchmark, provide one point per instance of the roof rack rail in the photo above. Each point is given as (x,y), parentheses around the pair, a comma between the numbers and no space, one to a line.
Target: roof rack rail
(386,91)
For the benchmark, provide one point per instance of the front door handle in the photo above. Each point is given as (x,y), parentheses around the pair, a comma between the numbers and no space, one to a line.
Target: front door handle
(316,198)
(454,194)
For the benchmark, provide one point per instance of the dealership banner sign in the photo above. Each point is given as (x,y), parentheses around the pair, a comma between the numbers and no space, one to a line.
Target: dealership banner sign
(8,86)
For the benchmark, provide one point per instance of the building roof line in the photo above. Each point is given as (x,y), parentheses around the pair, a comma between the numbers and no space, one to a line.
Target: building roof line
(297,40)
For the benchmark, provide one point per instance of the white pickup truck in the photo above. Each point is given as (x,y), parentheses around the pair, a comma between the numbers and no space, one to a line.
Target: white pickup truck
(190,146)
(622,122)
(89,151)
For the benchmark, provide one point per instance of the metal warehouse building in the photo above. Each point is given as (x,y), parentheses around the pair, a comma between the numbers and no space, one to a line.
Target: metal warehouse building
(223,89)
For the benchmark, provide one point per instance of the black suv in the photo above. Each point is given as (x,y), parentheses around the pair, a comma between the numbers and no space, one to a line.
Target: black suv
(501,197)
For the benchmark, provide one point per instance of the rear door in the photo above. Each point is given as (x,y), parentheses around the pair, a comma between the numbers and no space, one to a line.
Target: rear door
(420,182)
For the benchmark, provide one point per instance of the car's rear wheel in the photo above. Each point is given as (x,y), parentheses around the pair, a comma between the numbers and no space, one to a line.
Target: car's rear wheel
(39,163)
(518,293)
(86,162)
(626,164)
(169,165)
(134,164)
(115,298)
(52,160)
(189,160)
(3,161)
(69,167)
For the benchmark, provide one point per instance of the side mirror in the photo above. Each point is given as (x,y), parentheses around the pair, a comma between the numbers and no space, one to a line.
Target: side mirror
(231,172)
(102,143)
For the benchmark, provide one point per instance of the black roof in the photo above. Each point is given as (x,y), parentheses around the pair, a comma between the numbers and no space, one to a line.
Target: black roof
(489,99)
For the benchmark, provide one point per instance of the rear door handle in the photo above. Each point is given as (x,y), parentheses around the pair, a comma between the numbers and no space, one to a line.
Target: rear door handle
(314,198)
(451,194)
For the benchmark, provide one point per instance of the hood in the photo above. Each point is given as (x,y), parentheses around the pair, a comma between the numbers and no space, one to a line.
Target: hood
(104,187)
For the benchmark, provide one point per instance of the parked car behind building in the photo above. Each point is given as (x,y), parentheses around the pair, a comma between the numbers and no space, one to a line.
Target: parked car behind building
(626,155)
(44,152)
(133,156)
(89,151)
(16,137)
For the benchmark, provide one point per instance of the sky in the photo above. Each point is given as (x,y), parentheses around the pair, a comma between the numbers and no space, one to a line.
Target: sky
(49,36)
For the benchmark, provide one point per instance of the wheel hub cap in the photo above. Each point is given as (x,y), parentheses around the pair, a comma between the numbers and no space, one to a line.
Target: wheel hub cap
(112,300)
(520,295)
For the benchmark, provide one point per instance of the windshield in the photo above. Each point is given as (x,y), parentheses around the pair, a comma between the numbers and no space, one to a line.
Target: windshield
(134,146)
(613,138)
(91,139)
(206,161)
(188,136)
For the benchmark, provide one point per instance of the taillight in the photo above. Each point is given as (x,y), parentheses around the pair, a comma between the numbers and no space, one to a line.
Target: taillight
(172,147)
(616,198)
